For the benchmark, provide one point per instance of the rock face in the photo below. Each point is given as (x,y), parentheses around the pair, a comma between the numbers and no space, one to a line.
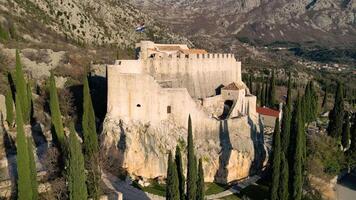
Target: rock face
(2,107)
(326,22)
(85,22)
(233,153)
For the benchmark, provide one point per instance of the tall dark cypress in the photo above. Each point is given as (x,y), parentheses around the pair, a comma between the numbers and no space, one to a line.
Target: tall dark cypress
(9,108)
(181,177)
(297,153)
(250,86)
(310,103)
(272,91)
(91,146)
(263,95)
(55,112)
(22,90)
(276,161)
(33,170)
(353,135)
(325,99)
(200,182)
(172,184)
(75,168)
(336,115)
(24,189)
(283,190)
(286,119)
(345,138)
(192,170)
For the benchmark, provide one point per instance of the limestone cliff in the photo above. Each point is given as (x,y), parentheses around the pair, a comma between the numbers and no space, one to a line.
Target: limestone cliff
(233,153)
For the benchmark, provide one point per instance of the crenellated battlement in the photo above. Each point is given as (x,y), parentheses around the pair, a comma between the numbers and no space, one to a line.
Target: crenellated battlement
(195,56)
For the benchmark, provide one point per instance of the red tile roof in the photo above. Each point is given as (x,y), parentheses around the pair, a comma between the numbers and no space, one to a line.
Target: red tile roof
(267,111)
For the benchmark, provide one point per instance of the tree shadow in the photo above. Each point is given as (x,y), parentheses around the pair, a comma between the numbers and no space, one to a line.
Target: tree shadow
(77,92)
(226,147)
(258,145)
(98,90)
(122,145)
(349,181)
(10,153)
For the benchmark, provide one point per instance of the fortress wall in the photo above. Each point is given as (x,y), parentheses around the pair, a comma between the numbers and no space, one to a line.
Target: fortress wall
(201,74)
(127,91)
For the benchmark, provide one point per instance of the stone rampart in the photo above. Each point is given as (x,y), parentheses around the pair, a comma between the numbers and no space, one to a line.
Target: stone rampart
(201,74)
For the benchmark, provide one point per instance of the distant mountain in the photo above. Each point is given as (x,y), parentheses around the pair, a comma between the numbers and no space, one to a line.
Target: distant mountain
(212,22)
(104,22)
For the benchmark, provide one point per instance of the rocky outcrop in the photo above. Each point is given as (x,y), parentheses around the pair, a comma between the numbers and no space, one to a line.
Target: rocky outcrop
(85,22)
(142,150)
(326,22)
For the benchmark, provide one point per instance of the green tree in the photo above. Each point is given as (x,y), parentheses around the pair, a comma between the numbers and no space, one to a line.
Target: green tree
(276,161)
(181,177)
(91,146)
(9,107)
(172,185)
(325,99)
(336,115)
(297,152)
(283,191)
(192,169)
(310,102)
(24,190)
(75,168)
(22,90)
(345,138)
(55,112)
(353,135)
(272,91)
(263,95)
(33,170)
(286,119)
(250,86)
(4,34)
(200,182)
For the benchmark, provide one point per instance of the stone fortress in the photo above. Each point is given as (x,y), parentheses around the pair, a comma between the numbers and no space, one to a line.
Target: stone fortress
(150,99)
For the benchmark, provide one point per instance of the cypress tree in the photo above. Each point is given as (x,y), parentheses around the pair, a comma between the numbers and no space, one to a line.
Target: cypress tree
(91,146)
(336,115)
(297,153)
(22,90)
(325,99)
(310,103)
(276,161)
(75,168)
(250,84)
(283,191)
(345,139)
(9,107)
(272,91)
(200,182)
(286,119)
(24,190)
(33,170)
(55,112)
(181,177)
(263,95)
(191,174)
(353,135)
(172,191)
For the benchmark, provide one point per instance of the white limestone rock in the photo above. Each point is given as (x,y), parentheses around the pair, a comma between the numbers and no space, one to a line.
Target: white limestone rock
(142,150)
